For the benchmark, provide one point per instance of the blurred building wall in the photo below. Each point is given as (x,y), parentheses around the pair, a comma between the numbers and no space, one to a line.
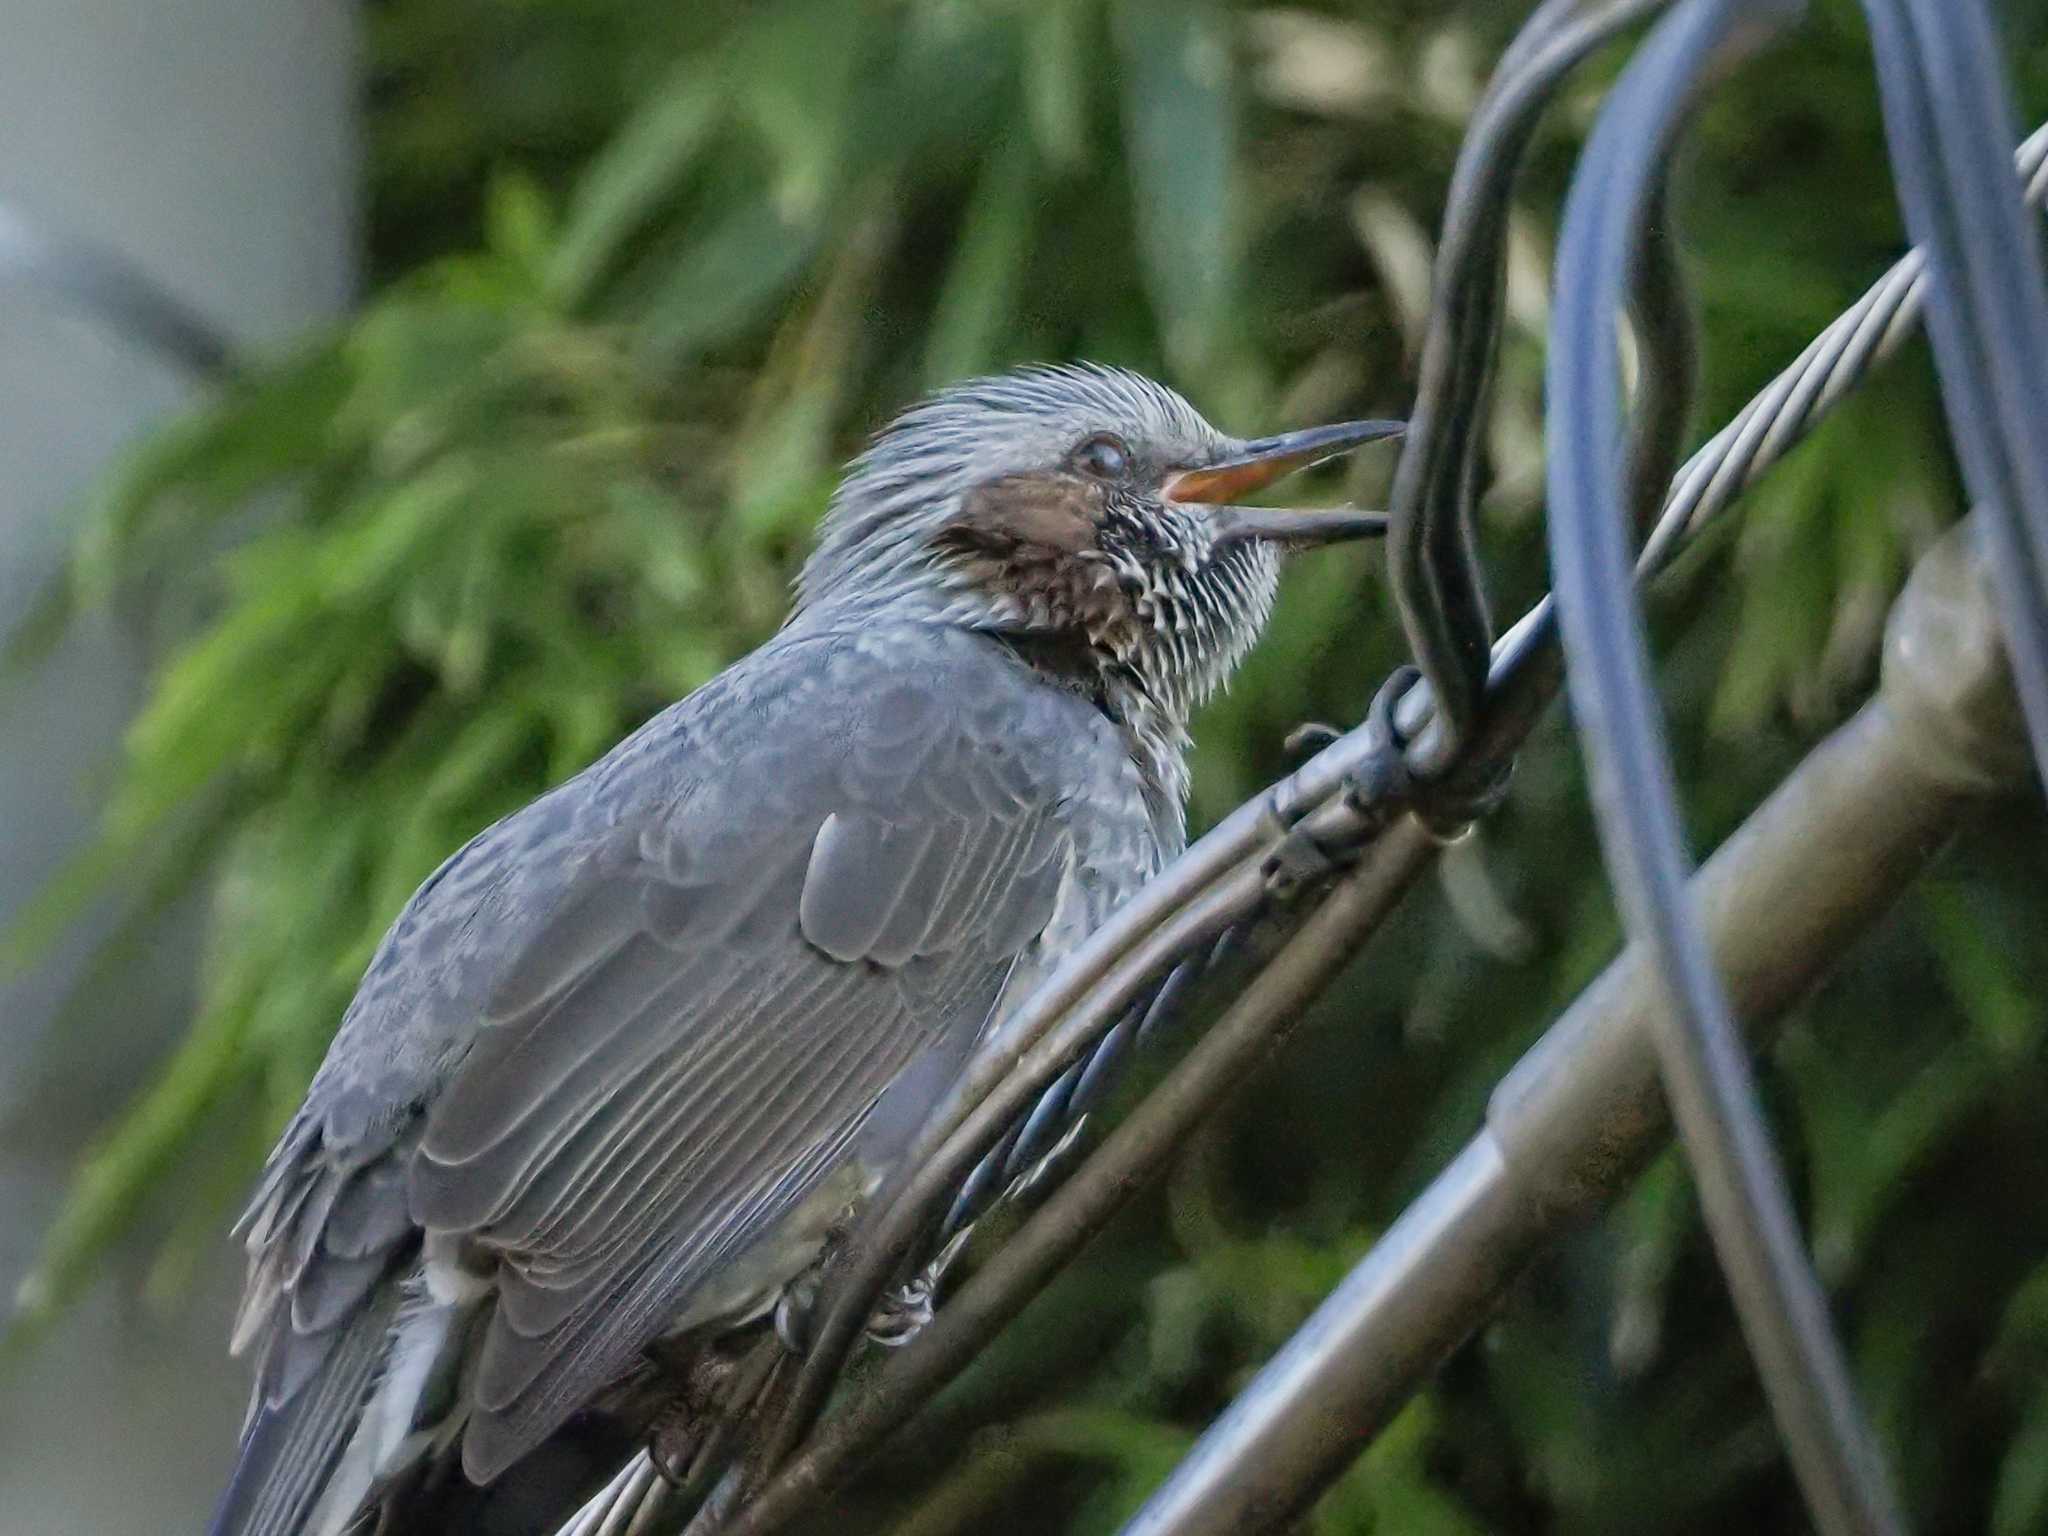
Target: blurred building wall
(211,141)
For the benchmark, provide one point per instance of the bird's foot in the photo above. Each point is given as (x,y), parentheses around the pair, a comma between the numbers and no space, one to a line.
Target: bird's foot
(1387,782)
(1309,851)
(903,1311)
(1382,786)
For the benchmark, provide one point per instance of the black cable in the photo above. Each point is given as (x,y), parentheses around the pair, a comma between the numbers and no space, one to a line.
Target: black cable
(1705,1070)
(1432,560)
(1948,121)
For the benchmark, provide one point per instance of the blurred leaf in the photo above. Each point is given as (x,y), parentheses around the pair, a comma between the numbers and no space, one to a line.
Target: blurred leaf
(266,429)
(1982,976)
(1389,1489)
(726,279)
(1057,39)
(115,1177)
(2020,1506)
(619,192)
(975,304)
(1181,132)
(1137,1451)
(794,69)
(519,227)
(2020,1350)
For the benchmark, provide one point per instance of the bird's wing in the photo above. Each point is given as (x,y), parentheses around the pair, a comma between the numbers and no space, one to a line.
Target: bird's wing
(688,1046)
(814,870)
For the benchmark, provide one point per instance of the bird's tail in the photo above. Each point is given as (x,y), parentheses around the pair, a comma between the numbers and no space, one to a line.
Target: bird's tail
(290,1449)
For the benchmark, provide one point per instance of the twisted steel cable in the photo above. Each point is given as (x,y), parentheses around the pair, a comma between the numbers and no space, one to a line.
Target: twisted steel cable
(1777,419)
(1523,680)
(1773,423)
(1093,990)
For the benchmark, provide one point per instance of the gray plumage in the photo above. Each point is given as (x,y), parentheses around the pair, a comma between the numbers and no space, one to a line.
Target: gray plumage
(627,1055)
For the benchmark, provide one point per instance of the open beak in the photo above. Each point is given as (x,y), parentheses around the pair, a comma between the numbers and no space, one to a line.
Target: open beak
(1263,460)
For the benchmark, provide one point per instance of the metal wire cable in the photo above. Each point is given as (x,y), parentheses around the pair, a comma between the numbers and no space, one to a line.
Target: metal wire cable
(1768,427)
(1703,1064)
(1775,421)
(1948,112)
(1579,1114)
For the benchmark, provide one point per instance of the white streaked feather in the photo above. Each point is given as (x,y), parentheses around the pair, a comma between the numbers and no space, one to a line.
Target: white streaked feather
(383,1441)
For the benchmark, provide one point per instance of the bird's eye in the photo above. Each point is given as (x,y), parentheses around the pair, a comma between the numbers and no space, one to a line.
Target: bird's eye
(1103,456)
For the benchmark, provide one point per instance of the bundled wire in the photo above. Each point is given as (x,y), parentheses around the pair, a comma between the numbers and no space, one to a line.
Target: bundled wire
(1432,562)
(1523,680)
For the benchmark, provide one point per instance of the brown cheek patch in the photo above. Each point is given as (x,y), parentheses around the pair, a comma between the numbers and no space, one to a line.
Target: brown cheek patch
(1029,537)
(1055,513)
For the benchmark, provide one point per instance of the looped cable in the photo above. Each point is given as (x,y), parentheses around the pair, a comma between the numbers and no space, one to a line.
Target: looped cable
(1701,1058)
(1948,116)
(1432,560)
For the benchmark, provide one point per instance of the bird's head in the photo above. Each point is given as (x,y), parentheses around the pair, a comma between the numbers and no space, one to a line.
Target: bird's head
(1085,512)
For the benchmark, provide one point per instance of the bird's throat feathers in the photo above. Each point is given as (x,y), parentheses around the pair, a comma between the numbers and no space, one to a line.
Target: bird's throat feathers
(1092,594)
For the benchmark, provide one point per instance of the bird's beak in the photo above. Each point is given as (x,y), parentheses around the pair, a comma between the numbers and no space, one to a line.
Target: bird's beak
(1263,460)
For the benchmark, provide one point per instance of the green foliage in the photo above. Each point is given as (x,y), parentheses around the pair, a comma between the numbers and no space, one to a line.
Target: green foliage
(645,274)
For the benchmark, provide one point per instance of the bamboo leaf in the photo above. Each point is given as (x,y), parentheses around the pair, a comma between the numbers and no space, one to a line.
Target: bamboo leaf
(726,279)
(975,305)
(619,192)
(1180,131)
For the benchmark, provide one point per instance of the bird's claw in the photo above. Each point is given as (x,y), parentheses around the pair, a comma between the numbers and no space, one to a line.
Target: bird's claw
(1309,738)
(1383,780)
(1387,781)
(1380,787)
(1302,857)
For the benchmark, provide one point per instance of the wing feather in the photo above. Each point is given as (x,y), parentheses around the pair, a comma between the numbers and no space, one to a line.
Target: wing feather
(644,1049)
(733,1003)
(860,871)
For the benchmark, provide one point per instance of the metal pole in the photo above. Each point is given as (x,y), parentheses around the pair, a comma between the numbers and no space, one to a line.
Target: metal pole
(1780,901)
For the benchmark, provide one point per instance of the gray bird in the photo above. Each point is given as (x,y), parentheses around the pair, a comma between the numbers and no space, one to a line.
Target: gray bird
(625,1058)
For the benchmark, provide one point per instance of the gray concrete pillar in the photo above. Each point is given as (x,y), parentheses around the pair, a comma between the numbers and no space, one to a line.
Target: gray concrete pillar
(212,142)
